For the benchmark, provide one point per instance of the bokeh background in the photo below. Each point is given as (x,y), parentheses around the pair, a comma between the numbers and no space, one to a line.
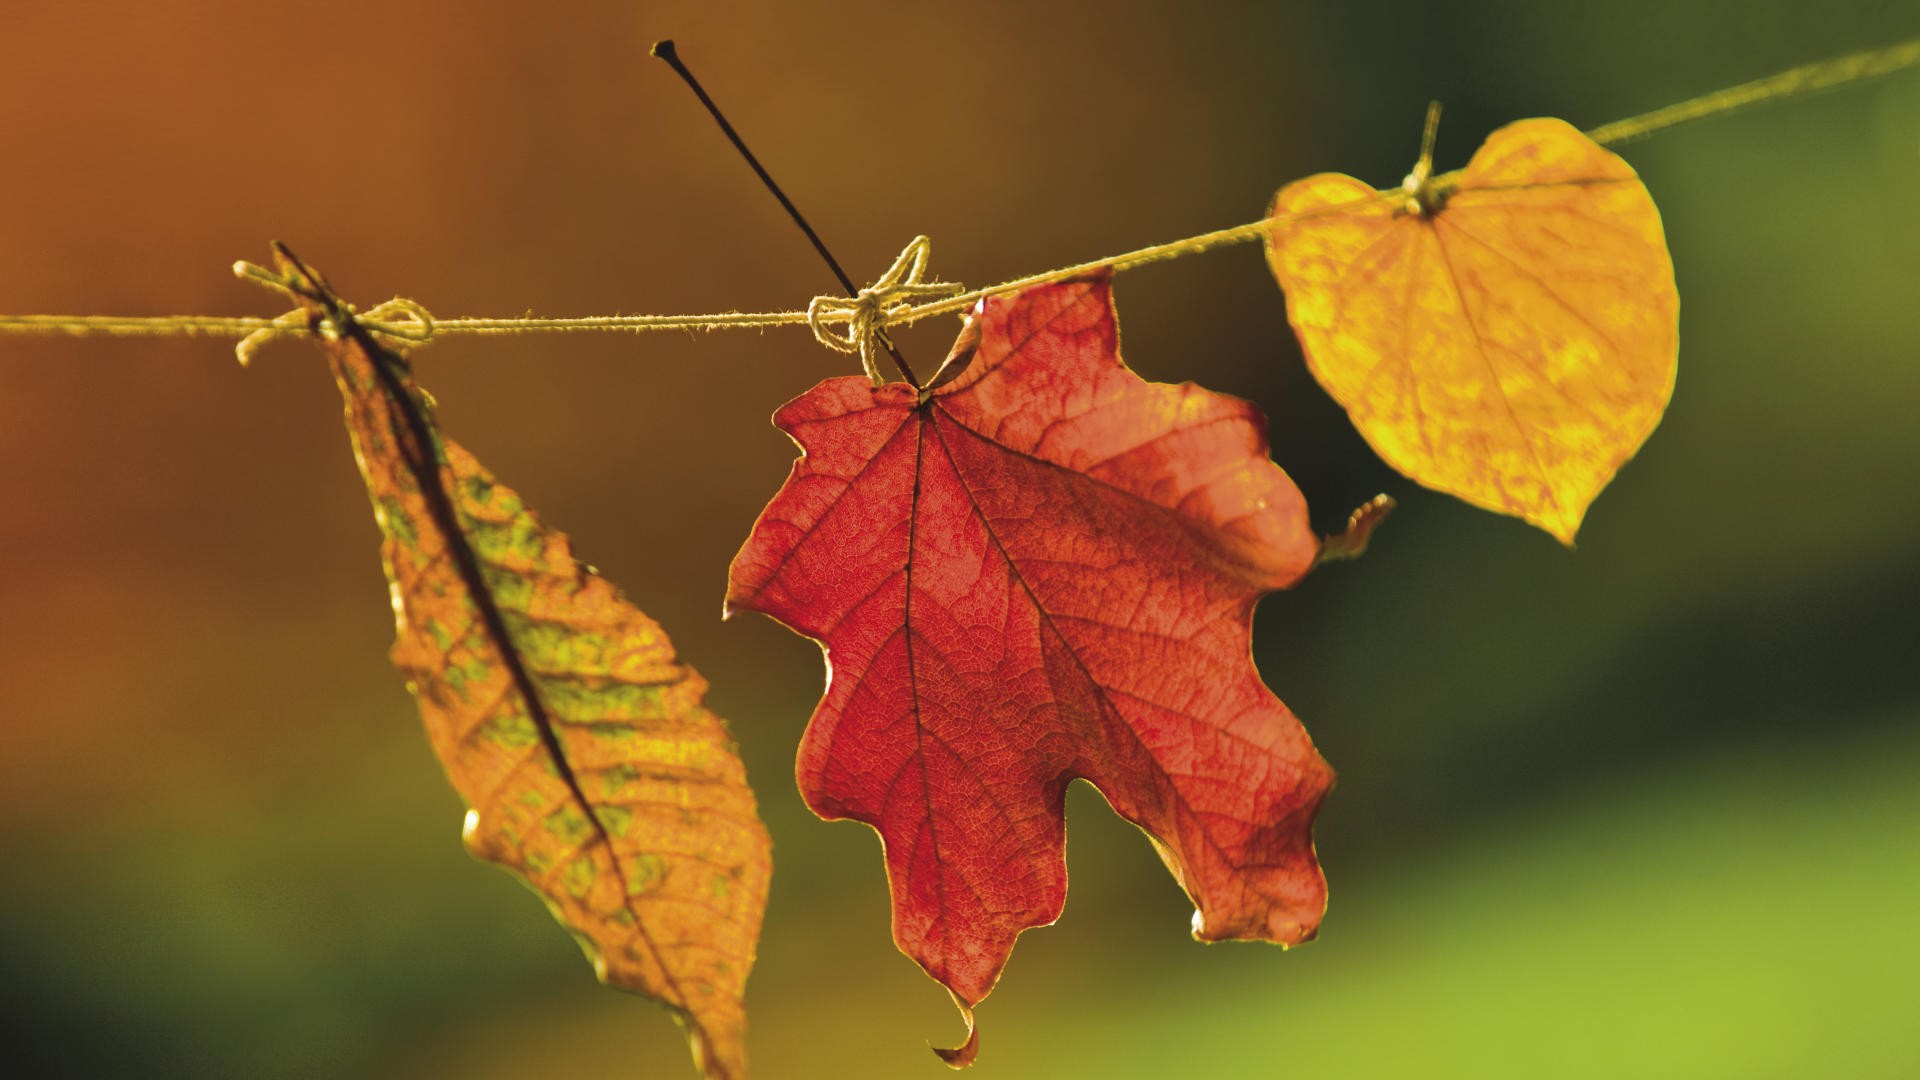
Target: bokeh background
(1648,808)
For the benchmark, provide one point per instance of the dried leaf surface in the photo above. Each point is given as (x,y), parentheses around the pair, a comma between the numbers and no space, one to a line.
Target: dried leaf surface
(564,719)
(1043,568)
(1513,345)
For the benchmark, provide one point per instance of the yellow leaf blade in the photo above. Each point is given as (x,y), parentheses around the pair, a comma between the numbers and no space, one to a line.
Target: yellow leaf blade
(1515,346)
(564,719)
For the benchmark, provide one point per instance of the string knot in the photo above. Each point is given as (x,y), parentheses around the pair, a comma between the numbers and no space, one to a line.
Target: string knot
(861,319)
(322,312)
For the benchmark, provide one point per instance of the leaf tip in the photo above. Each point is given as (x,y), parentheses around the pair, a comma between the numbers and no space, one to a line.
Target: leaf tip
(713,1065)
(959,1057)
(1562,525)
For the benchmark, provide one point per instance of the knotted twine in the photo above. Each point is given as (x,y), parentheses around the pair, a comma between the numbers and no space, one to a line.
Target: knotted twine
(861,319)
(397,320)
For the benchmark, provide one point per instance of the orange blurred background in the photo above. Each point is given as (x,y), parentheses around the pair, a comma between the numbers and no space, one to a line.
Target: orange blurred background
(1645,808)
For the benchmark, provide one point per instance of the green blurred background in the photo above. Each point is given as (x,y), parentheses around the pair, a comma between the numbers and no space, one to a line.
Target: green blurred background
(1645,809)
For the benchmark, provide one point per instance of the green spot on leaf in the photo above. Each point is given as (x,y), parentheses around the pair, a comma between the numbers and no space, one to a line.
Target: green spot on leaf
(478,489)
(513,730)
(648,872)
(617,777)
(512,592)
(615,819)
(579,876)
(569,824)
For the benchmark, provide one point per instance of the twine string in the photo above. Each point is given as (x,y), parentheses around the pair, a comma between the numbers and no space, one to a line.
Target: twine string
(1794,82)
(900,296)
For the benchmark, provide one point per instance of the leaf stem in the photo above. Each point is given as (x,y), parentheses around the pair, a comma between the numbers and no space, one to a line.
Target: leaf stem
(665,50)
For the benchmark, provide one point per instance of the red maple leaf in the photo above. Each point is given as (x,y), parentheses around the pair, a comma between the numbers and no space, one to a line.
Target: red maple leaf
(1043,567)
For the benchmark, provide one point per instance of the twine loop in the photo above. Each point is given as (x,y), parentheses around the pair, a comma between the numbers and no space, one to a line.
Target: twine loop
(321,312)
(863,317)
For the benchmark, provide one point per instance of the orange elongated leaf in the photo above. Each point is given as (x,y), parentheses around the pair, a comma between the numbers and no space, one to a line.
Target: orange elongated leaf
(1044,567)
(561,714)
(1507,334)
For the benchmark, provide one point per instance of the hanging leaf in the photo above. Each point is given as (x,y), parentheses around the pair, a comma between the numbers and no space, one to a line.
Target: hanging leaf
(1506,334)
(1043,568)
(560,712)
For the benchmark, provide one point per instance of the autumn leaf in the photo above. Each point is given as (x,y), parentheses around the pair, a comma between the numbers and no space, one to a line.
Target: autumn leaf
(1506,334)
(1043,568)
(560,712)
